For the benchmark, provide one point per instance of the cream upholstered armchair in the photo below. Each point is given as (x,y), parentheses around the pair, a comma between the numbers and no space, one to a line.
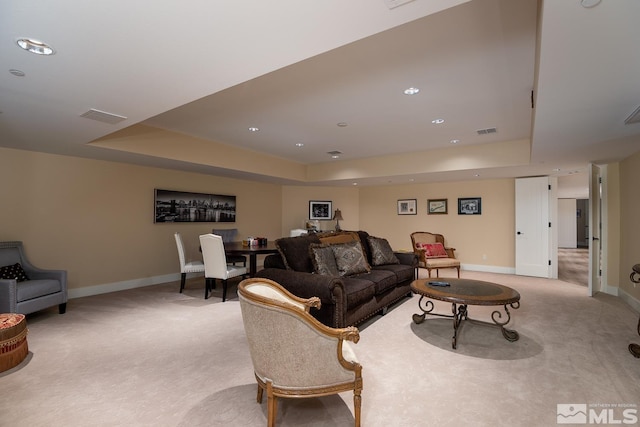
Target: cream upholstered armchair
(432,253)
(293,354)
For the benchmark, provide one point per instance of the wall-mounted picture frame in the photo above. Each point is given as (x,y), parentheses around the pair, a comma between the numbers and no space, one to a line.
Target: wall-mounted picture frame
(182,206)
(470,206)
(320,209)
(437,206)
(407,207)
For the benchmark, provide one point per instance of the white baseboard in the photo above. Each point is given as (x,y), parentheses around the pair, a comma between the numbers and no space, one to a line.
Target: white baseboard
(121,286)
(629,299)
(488,268)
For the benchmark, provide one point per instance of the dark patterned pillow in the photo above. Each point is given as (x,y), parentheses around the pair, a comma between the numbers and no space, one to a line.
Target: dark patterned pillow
(14,271)
(381,252)
(350,258)
(324,262)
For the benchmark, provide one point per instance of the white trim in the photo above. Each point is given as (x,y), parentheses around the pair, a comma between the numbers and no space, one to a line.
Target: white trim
(629,299)
(488,268)
(121,286)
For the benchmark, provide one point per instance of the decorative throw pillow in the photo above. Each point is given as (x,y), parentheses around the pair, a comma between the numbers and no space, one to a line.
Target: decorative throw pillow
(14,271)
(350,258)
(434,250)
(324,262)
(381,252)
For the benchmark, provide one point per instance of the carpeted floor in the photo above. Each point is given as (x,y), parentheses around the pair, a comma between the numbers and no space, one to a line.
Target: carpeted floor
(154,357)
(573,265)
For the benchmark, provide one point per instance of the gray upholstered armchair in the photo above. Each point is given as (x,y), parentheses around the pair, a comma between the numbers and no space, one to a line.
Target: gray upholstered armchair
(25,288)
(293,354)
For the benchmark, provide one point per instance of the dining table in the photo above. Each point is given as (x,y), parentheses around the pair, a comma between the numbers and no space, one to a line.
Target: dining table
(241,248)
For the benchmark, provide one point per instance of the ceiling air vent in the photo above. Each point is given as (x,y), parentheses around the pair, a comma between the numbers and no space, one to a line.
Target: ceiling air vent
(486,131)
(103,116)
(633,118)
(334,153)
(392,4)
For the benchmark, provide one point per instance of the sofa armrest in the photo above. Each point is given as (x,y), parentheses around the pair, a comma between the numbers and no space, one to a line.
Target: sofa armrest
(407,258)
(8,296)
(274,261)
(307,285)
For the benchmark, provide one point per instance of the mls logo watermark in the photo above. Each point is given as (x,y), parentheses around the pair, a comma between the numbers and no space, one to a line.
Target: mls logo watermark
(599,413)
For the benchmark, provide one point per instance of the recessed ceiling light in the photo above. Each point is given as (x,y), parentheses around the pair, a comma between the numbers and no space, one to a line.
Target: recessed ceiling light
(476,175)
(454,141)
(254,129)
(556,170)
(355,183)
(589,3)
(411,91)
(342,125)
(35,46)
(437,121)
(17,73)
(299,144)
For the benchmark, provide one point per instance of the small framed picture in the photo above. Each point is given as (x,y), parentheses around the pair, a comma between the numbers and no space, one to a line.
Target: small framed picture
(407,207)
(437,206)
(319,209)
(470,206)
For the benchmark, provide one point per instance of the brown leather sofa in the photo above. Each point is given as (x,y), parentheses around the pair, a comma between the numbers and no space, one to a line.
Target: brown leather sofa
(347,297)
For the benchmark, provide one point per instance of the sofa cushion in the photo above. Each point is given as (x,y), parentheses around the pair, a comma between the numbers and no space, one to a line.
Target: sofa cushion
(358,290)
(433,250)
(382,279)
(324,262)
(14,271)
(295,252)
(350,258)
(381,252)
(30,289)
(402,272)
(339,237)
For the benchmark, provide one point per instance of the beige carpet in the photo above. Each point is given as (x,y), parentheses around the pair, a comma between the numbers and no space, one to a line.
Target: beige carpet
(154,357)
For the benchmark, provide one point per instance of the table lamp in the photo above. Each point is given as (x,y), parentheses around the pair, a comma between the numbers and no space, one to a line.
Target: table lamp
(337,215)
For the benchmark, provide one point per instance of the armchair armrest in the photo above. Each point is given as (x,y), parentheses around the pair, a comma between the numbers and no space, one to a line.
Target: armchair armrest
(8,295)
(450,252)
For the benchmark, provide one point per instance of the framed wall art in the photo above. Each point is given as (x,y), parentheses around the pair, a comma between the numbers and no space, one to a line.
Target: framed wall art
(319,209)
(180,206)
(407,207)
(437,206)
(470,206)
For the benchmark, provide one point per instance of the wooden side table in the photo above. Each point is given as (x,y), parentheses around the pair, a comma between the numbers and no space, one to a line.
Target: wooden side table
(13,340)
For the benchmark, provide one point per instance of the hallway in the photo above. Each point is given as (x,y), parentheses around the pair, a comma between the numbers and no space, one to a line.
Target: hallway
(573,265)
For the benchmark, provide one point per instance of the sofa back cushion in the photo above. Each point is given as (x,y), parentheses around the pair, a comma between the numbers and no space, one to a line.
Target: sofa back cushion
(295,252)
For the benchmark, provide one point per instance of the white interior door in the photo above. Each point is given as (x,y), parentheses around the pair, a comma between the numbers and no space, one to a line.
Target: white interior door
(595,229)
(532,227)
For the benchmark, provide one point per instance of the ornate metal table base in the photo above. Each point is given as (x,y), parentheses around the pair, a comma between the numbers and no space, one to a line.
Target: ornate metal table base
(635,278)
(635,348)
(460,315)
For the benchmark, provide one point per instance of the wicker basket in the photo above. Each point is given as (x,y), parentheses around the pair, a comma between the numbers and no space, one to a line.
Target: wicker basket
(13,340)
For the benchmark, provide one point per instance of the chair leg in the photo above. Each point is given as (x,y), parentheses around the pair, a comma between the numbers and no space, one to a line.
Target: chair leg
(272,406)
(183,278)
(259,397)
(458,268)
(224,290)
(357,405)
(62,308)
(206,287)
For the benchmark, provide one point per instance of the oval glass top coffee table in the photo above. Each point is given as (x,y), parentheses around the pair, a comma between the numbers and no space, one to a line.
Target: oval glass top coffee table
(461,293)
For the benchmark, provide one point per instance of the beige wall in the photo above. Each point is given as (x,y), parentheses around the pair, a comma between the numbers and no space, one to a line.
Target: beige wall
(629,223)
(95,218)
(295,206)
(486,239)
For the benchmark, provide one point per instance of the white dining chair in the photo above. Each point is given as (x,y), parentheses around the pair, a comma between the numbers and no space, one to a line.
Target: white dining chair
(215,264)
(186,267)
